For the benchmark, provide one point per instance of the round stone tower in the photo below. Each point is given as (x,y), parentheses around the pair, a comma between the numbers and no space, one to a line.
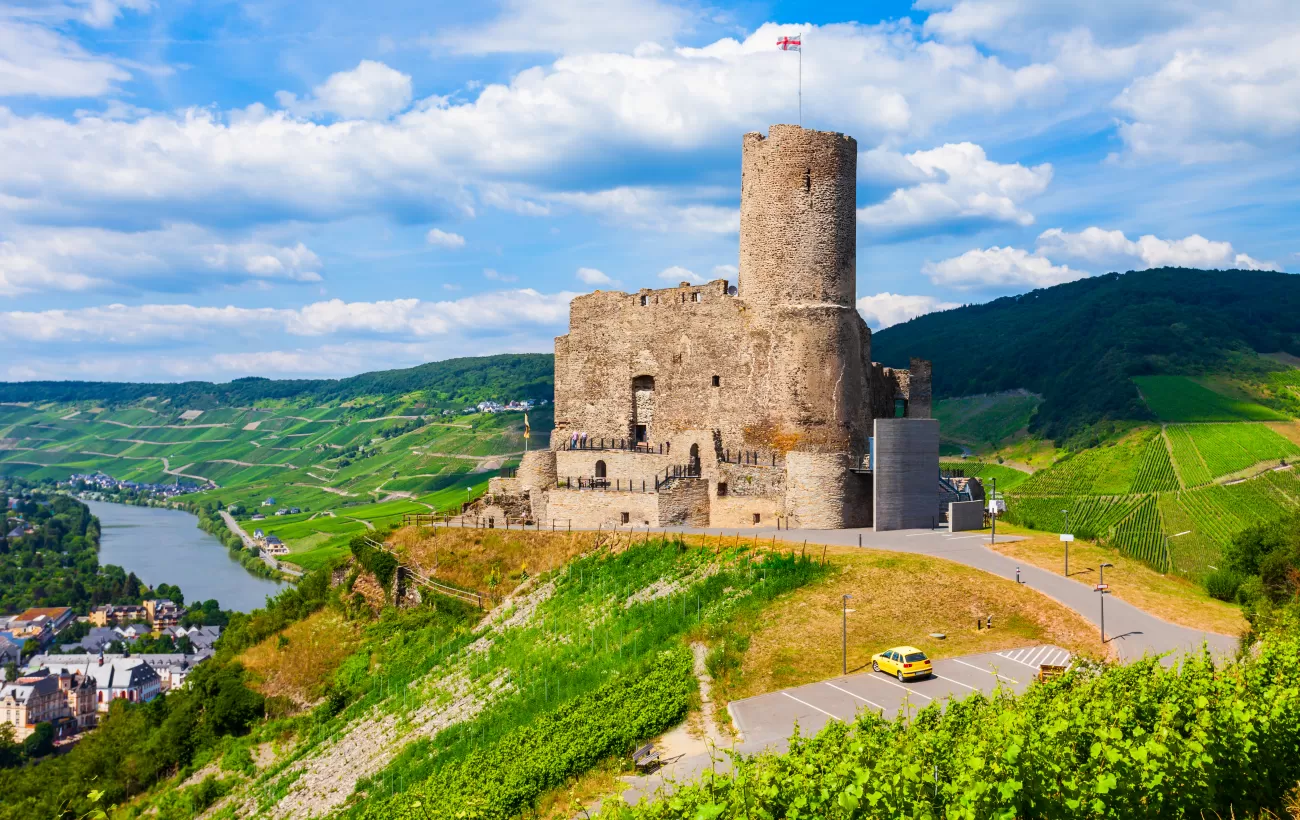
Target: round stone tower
(798,218)
(798,279)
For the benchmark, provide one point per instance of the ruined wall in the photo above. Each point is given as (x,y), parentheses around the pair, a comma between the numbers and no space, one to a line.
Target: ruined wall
(817,492)
(739,510)
(685,502)
(920,372)
(536,469)
(598,508)
(619,464)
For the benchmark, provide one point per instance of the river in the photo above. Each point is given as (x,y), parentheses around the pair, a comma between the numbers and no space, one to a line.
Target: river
(167,546)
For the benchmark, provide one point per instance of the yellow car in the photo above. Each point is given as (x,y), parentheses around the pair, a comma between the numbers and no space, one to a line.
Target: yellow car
(903,662)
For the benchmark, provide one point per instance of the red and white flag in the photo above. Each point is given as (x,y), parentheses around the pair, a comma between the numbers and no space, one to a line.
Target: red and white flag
(790,43)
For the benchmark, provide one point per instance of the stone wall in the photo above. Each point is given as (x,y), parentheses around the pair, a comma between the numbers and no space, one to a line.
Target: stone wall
(623,465)
(597,508)
(738,511)
(684,502)
(821,493)
(906,474)
(537,469)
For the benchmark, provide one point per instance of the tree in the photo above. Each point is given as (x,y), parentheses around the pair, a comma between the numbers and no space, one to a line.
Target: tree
(11,754)
(11,671)
(40,742)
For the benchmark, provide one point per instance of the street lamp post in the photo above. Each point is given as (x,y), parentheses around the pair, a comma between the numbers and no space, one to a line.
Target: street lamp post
(1101,590)
(1067,542)
(844,635)
(993,512)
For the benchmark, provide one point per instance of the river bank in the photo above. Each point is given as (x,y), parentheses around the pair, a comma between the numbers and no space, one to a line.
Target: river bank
(163,545)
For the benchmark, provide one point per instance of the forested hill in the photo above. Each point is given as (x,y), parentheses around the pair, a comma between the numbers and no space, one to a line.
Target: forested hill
(1079,343)
(467,380)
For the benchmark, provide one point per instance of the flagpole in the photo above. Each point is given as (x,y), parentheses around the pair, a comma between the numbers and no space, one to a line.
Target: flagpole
(801,81)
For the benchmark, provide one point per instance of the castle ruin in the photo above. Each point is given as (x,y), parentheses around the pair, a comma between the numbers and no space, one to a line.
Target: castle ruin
(739,406)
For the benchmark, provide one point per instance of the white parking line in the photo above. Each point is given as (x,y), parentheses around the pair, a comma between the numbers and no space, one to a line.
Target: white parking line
(809,705)
(985,671)
(959,683)
(856,695)
(1037,657)
(904,688)
(1016,660)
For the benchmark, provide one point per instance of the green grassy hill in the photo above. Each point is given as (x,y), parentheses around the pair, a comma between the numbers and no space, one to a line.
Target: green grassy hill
(1080,344)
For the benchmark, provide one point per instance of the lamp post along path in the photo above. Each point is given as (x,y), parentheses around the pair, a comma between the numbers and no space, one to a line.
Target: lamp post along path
(844,635)
(1101,590)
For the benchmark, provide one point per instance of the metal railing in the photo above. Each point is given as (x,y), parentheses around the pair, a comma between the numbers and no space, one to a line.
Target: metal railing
(747,458)
(675,472)
(617,485)
(624,444)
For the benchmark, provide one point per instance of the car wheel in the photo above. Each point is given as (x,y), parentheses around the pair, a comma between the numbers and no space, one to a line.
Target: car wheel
(900,676)
(875,667)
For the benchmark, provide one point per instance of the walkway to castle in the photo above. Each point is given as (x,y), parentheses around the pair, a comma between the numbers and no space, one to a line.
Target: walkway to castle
(1134,632)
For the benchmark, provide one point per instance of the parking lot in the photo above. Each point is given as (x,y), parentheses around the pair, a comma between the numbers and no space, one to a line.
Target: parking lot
(769,719)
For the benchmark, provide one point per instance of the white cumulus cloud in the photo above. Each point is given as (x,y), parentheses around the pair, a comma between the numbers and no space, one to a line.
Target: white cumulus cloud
(677,274)
(591,276)
(372,90)
(444,239)
(71,259)
(960,184)
(999,268)
(885,309)
(1113,248)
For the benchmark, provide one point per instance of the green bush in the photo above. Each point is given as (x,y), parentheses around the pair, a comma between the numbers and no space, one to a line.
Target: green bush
(1223,584)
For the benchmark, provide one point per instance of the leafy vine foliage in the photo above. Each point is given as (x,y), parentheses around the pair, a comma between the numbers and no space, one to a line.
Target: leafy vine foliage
(1137,741)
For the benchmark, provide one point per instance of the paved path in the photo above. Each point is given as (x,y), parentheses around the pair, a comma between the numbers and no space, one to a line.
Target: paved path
(1135,633)
(767,721)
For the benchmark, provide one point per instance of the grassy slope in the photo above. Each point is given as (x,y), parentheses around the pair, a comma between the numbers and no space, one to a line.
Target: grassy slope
(798,640)
(1170,597)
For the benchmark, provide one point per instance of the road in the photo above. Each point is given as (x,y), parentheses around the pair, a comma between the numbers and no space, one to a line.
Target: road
(767,721)
(270,561)
(1135,633)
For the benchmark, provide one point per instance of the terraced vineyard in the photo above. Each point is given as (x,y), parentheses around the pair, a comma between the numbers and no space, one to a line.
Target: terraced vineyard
(1221,479)
(333,462)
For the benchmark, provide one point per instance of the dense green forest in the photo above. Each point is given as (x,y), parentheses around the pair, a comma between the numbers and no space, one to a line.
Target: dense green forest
(1079,344)
(454,381)
(57,564)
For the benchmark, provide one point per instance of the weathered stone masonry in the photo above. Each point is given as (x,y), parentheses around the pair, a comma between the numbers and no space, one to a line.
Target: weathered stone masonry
(758,400)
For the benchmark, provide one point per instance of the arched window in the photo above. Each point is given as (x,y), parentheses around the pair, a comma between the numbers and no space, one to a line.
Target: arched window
(645,300)
(694,464)
(600,469)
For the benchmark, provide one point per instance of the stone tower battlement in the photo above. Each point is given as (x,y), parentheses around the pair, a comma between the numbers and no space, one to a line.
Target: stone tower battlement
(798,218)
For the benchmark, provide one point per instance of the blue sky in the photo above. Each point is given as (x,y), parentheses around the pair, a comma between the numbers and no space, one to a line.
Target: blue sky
(213,190)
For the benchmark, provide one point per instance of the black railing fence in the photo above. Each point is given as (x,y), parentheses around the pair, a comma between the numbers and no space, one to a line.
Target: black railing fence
(747,458)
(626,444)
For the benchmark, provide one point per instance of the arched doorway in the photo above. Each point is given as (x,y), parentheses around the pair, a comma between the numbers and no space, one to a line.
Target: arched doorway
(693,466)
(600,469)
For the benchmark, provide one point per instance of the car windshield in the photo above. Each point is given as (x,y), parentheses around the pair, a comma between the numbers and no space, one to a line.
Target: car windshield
(915,657)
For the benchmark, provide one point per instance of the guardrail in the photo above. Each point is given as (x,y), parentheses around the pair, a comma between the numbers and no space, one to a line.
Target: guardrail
(630,445)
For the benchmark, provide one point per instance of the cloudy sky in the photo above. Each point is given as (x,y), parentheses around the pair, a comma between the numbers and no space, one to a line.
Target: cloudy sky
(213,189)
